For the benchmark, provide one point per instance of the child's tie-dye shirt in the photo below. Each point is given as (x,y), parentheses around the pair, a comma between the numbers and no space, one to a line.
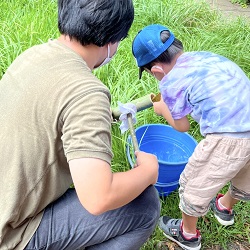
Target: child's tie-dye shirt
(212,89)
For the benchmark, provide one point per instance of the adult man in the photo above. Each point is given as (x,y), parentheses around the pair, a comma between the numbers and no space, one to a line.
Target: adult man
(55,128)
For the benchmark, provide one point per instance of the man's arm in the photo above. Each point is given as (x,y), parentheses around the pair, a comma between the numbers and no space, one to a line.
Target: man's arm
(100,190)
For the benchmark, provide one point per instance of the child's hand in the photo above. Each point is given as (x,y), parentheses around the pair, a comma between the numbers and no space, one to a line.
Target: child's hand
(159,107)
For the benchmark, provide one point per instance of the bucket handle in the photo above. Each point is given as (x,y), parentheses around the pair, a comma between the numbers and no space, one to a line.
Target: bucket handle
(131,162)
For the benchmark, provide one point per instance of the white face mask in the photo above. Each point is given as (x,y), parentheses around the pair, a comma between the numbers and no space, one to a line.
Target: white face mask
(106,60)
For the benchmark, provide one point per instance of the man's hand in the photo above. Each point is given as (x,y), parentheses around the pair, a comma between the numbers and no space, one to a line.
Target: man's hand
(150,164)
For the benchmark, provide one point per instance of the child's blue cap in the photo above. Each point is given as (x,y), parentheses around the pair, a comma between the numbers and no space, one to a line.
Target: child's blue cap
(147,44)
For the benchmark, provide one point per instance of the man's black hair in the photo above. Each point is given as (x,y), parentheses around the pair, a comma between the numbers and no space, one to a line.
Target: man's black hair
(95,21)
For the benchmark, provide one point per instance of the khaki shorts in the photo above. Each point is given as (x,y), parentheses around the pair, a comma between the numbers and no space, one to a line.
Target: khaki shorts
(215,161)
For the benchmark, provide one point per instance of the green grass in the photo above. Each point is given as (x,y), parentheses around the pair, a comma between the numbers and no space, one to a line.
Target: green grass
(24,23)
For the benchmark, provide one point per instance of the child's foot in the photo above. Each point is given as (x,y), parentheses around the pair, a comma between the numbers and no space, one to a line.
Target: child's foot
(224,216)
(172,228)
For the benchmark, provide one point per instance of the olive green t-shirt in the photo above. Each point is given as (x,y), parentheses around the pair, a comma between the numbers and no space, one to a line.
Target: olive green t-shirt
(52,110)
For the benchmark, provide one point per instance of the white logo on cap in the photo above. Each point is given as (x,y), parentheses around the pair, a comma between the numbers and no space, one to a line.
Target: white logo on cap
(151,45)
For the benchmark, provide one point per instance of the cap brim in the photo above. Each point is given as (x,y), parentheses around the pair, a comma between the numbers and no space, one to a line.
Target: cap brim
(141,69)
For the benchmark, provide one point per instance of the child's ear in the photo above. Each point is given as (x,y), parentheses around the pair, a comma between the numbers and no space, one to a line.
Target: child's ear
(157,72)
(157,69)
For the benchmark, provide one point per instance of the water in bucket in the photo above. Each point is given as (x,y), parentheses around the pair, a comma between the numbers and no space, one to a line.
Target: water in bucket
(172,148)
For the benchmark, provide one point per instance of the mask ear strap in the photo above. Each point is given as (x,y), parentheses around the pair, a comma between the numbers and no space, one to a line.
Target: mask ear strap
(158,67)
(108,51)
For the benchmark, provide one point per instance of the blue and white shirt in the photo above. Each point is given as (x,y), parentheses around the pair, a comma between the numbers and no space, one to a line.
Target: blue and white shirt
(212,89)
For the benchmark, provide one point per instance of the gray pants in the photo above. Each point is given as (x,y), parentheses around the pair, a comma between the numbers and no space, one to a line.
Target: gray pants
(67,225)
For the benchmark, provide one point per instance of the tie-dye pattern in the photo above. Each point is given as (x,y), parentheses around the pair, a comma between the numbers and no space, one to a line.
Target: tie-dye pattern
(212,89)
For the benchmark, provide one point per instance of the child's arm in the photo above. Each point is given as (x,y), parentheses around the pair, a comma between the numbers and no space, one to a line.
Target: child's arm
(162,109)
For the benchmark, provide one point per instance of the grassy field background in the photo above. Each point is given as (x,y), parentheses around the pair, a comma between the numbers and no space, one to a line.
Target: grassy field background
(24,23)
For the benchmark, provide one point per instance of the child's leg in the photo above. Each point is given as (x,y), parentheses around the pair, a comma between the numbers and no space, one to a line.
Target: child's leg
(215,161)
(238,154)
(239,188)
(228,201)
(189,223)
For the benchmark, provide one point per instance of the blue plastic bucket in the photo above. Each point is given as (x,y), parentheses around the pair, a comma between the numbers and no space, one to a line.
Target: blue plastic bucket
(172,148)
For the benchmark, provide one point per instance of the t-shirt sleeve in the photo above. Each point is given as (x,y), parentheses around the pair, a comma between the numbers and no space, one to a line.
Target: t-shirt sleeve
(86,129)
(176,96)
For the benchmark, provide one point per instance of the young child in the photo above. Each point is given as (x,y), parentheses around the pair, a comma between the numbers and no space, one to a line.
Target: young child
(215,92)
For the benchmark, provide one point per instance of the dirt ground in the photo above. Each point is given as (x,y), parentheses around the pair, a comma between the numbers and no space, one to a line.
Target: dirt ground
(229,9)
(232,246)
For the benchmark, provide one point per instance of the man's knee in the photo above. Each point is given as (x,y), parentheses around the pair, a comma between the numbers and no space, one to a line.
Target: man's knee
(151,203)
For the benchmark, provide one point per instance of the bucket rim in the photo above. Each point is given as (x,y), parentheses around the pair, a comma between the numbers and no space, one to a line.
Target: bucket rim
(165,125)
(167,184)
